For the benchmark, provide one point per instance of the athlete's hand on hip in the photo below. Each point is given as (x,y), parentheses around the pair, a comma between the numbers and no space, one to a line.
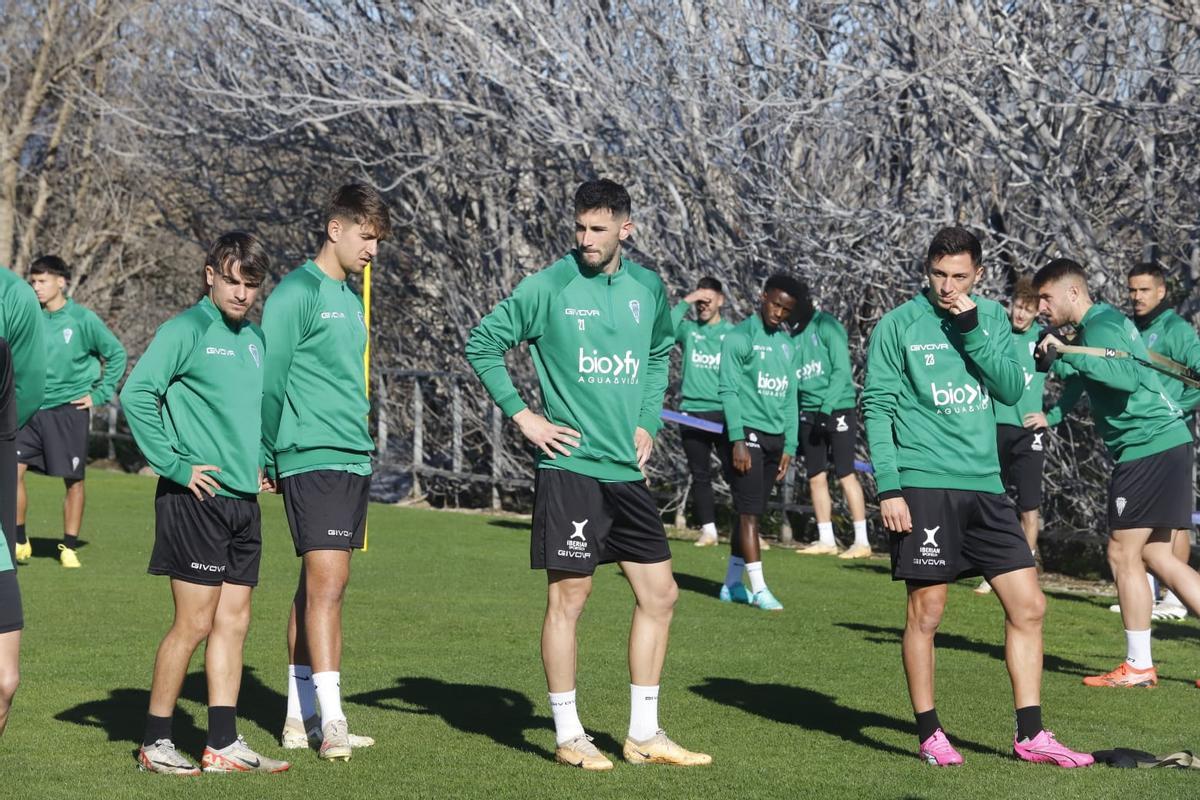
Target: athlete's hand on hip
(201,480)
(545,434)
(784,462)
(1035,420)
(643,442)
(266,484)
(741,457)
(895,515)
(83,402)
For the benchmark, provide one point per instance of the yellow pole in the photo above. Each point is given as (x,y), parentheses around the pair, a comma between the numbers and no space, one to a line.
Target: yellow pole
(367,361)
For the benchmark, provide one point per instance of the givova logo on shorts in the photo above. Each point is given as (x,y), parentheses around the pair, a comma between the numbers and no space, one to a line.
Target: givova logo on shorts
(576,545)
(965,399)
(614,368)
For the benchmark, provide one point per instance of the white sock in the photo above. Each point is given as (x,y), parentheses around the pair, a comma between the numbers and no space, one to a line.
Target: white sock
(643,712)
(708,529)
(757,581)
(733,573)
(566,718)
(329,695)
(825,533)
(1153,587)
(1137,649)
(860,533)
(1171,599)
(302,697)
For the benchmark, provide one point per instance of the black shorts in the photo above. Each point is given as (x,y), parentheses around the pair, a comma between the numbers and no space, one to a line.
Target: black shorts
(55,442)
(326,509)
(1152,492)
(956,534)
(818,444)
(210,542)
(579,522)
(751,490)
(1022,459)
(11,616)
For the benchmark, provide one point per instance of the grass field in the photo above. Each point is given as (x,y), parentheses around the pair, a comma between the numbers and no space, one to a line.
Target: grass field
(442,667)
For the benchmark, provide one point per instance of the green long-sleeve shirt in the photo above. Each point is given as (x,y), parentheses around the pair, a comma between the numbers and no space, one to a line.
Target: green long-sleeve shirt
(824,377)
(701,359)
(76,344)
(757,382)
(1171,335)
(1035,382)
(195,397)
(21,326)
(601,345)
(314,392)
(1134,414)
(928,397)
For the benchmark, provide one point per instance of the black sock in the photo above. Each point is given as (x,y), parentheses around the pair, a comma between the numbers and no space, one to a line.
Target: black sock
(1029,722)
(21,535)
(927,723)
(71,541)
(156,728)
(222,726)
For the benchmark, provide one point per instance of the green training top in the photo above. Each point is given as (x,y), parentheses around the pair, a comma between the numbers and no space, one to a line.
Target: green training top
(601,345)
(1035,382)
(757,386)
(195,397)
(21,326)
(76,342)
(314,393)
(928,397)
(824,378)
(1134,414)
(1170,335)
(701,358)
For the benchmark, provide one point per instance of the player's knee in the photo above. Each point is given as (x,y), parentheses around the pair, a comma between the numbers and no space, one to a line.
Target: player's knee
(662,600)
(924,617)
(10,679)
(569,601)
(820,481)
(1031,612)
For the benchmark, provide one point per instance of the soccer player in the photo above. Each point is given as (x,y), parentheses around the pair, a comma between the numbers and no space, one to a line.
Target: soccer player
(934,366)
(701,340)
(22,381)
(600,336)
(828,424)
(1021,427)
(193,402)
(55,441)
(1167,333)
(758,396)
(319,453)
(1150,491)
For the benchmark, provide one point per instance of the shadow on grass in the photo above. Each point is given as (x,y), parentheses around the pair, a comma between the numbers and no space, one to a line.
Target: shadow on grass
(44,547)
(502,715)
(122,715)
(510,524)
(805,708)
(860,566)
(1099,601)
(953,641)
(702,586)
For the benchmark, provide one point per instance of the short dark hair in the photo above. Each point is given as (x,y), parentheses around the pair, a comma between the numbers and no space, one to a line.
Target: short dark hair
(362,205)
(243,249)
(711,284)
(602,193)
(787,284)
(1023,291)
(1058,269)
(1149,268)
(50,265)
(952,241)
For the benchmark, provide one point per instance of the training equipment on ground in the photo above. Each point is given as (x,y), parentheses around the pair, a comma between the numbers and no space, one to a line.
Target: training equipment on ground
(766,601)
(738,593)
(1045,749)
(1125,676)
(1158,363)
(163,758)
(937,751)
(67,557)
(659,749)
(238,757)
(580,752)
